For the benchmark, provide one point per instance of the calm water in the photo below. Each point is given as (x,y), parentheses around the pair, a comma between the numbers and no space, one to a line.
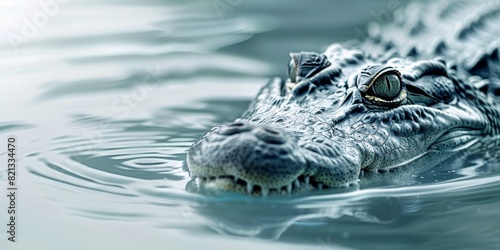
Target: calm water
(105,99)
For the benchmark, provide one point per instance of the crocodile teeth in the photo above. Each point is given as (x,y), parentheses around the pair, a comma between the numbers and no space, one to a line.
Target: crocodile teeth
(197,181)
(249,188)
(362,173)
(296,183)
(306,179)
(265,191)
(320,186)
(235,179)
(289,188)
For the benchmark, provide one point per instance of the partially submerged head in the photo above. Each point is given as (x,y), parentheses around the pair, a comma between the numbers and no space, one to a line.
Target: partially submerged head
(340,115)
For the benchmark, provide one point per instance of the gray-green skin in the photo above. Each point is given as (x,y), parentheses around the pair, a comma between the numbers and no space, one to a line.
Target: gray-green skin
(414,94)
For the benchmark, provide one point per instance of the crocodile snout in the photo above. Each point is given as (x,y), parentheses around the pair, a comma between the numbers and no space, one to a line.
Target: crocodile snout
(260,157)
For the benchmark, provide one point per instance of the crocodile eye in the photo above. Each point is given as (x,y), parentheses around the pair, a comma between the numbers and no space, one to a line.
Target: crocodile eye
(381,85)
(387,86)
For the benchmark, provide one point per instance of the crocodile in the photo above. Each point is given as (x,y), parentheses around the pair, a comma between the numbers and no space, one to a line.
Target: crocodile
(415,93)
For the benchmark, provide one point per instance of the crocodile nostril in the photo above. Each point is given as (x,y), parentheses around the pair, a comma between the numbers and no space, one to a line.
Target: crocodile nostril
(235,128)
(237,124)
(272,131)
(269,135)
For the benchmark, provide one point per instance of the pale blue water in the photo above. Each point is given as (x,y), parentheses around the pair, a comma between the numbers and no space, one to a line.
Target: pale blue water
(106,97)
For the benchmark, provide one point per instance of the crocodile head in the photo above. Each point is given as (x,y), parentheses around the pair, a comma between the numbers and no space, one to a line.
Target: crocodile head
(340,117)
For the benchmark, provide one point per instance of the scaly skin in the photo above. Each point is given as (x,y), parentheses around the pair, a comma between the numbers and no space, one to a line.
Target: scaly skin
(415,94)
